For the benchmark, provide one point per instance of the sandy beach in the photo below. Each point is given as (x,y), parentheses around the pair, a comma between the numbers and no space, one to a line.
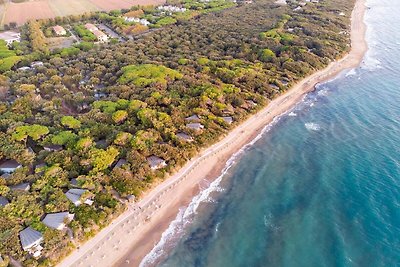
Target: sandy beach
(133,234)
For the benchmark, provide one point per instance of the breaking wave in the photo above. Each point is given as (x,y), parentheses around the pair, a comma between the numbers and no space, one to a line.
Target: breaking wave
(311,126)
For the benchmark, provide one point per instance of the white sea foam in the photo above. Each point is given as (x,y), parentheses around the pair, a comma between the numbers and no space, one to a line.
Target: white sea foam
(312,126)
(371,63)
(323,92)
(185,215)
(351,72)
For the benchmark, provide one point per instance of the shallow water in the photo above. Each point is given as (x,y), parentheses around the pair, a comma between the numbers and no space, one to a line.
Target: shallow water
(321,188)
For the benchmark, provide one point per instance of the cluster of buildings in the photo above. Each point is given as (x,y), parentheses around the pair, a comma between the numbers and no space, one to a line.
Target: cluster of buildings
(10,36)
(304,3)
(144,22)
(171,9)
(101,36)
(31,239)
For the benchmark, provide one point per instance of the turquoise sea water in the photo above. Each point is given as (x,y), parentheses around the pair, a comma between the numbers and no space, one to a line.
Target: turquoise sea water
(320,188)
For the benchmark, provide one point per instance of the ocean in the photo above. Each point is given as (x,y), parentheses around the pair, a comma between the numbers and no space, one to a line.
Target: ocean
(320,187)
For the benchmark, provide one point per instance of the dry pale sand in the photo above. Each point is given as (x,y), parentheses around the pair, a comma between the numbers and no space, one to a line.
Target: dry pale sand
(132,235)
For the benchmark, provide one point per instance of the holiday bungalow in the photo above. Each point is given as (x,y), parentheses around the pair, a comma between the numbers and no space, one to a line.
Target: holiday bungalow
(3,201)
(31,240)
(184,136)
(195,126)
(193,118)
(21,187)
(9,166)
(58,220)
(156,162)
(75,196)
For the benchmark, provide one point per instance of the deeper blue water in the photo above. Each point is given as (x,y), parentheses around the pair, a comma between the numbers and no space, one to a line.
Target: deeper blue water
(322,186)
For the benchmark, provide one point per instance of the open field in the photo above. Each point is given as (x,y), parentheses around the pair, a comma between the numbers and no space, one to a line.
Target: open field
(22,12)
(40,9)
(112,4)
(71,7)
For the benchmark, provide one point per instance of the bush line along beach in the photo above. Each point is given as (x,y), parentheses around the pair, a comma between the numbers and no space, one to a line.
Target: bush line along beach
(123,130)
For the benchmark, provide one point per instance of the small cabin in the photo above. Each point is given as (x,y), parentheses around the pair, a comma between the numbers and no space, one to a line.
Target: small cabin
(31,240)
(195,126)
(75,194)
(3,201)
(156,162)
(58,220)
(120,163)
(193,118)
(184,136)
(9,166)
(21,187)
(228,119)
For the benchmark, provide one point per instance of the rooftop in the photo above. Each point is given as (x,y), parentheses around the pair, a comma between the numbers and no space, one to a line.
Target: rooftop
(120,163)
(57,220)
(193,118)
(156,162)
(58,29)
(91,27)
(184,136)
(195,126)
(10,164)
(9,35)
(74,195)
(3,201)
(30,237)
(99,33)
(228,119)
(21,187)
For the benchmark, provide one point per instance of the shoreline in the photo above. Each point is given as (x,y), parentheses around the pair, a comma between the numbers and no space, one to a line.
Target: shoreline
(131,236)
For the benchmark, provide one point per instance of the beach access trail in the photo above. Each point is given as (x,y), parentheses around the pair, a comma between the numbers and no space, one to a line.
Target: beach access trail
(129,238)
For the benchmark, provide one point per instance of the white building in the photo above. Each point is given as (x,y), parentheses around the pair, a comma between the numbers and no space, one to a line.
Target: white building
(58,220)
(101,36)
(144,22)
(172,8)
(75,196)
(10,37)
(58,30)
(31,240)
